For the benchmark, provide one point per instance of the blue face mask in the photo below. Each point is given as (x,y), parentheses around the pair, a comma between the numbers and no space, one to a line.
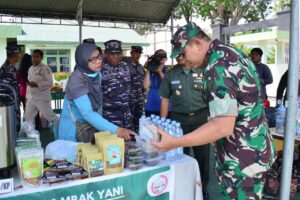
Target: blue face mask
(93,75)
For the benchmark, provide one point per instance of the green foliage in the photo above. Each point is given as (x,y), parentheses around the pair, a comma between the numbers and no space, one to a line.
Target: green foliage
(186,9)
(243,48)
(282,5)
(230,12)
(271,56)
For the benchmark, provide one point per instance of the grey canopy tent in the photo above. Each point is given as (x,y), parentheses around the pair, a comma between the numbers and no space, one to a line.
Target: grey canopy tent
(153,11)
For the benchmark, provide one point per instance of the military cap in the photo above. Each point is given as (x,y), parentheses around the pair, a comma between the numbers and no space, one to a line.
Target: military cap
(10,49)
(182,35)
(137,49)
(113,46)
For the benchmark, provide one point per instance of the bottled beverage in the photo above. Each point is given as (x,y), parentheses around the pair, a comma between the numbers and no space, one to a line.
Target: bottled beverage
(152,116)
(141,121)
(157,117)
(280,118)
(163,119)
(179,133)
(173,123)
(170,155)
(168,121)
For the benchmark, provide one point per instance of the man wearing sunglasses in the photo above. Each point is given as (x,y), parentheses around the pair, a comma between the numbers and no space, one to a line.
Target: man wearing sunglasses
(116,86)
(237,125)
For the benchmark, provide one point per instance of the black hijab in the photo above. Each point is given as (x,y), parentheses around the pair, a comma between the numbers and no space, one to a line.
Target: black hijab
(80,82)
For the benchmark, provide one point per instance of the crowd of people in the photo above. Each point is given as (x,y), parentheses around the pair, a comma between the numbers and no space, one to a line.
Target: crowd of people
(214,91)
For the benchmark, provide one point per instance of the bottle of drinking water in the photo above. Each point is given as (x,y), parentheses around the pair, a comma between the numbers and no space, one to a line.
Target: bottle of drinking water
(168,121)
(179,133)
(141,123)
(174,123)
(280,118)
(170,155)
(152,116)
(163,119)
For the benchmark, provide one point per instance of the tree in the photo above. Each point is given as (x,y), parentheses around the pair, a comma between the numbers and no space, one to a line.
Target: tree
(282,5)
(186,9)
(243,48)
(230,12)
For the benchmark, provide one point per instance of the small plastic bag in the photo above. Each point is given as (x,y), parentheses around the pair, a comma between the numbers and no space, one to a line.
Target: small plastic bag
(29,130)
(61,150)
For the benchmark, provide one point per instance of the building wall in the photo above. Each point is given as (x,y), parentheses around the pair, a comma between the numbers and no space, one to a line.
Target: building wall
(2,50)
(71,48)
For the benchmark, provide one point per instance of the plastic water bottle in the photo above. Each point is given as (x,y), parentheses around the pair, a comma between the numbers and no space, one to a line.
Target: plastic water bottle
(157,117)
(163,119)
(174,123)
(152,116)
(170,155)
(280,118)
(141,123)
(179,133)
(298,119)
(159,123)
(168,121)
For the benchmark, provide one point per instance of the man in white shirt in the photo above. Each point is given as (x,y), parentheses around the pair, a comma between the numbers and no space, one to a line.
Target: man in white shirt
(39,90)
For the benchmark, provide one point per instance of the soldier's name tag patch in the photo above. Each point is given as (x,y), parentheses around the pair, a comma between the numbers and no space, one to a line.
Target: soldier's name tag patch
(195,75)
(198,81)
(175,82)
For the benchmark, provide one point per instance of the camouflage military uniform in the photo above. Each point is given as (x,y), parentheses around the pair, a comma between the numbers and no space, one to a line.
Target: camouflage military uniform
(137,94)
(116,88)
(232,88)
(8,74)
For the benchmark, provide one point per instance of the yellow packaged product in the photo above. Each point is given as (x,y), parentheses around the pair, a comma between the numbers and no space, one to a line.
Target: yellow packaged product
(79,151)
(94,164)
(104,138)
(87,151)
(113,151)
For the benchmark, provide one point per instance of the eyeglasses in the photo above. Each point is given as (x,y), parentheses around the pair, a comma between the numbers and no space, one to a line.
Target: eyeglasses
(95,59)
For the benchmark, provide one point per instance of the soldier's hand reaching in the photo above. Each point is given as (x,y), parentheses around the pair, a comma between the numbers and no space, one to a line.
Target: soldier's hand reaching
(32,84)
(125,133)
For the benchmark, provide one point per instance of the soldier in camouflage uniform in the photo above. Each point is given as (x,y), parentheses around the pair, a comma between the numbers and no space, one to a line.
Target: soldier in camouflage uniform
(137,95)
(116,86)
(8,74)
(238,125)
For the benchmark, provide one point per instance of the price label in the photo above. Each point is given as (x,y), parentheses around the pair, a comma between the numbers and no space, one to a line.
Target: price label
(6,185)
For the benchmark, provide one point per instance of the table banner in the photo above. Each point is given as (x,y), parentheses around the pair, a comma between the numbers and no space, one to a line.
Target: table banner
(153,184)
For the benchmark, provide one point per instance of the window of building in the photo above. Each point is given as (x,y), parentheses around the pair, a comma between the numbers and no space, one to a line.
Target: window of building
(58,60)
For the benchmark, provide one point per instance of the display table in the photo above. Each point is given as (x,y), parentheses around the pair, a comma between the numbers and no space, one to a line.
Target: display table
(180,180)
(280,136)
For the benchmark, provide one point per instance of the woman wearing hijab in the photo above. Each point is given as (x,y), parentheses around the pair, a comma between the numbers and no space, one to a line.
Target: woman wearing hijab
(83,100)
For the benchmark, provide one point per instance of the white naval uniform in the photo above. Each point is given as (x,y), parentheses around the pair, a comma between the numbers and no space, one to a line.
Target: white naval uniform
(39,98)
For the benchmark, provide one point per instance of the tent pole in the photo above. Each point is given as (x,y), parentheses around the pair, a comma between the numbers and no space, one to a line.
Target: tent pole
(79,18)
(292,91)
(172,32)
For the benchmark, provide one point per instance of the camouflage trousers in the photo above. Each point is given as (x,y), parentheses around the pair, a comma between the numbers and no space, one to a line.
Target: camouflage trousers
(120,117)
(137,109)
(242,188)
